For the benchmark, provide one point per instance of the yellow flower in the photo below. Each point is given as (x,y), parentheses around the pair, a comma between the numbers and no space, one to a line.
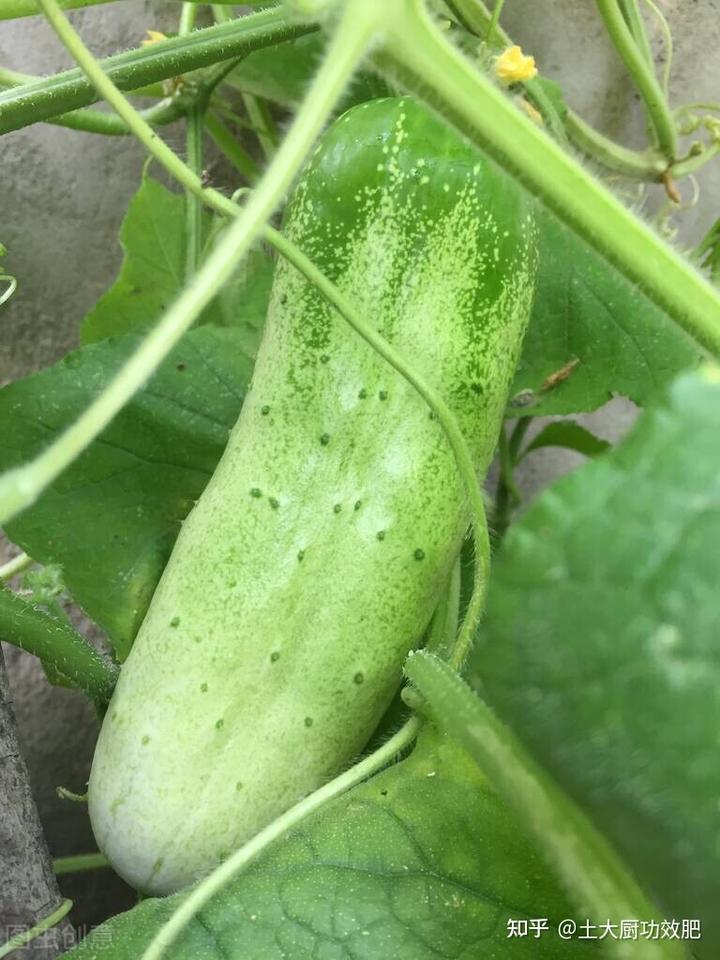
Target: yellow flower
(153,36)
(512,66)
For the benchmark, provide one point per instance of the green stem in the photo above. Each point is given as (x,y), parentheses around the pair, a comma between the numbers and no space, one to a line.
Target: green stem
(475,17)
(494,20)
(553,121)
(507,467)
(258,112)
(668,41)
(422,57)
(96,121)
(15,566)
(57,644)
(445,622)
(194,150)
(643,75)
(188,16)
(507,495)
(27,936)
(591,871)
(227,143)
(262,123)
(20,487)
(15,9)
(49,97)
(80,863)
(692,164)
(633,18)
(630,163)
(11,287)
(200,895)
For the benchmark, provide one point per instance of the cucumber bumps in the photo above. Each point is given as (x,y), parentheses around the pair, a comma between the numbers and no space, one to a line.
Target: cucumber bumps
(314,559)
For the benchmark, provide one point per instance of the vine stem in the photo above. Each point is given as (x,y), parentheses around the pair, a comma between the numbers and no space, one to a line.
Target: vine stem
(194,125)
(15,9)
(223,874)
(668,41)
(494,19)
(649,165)
(631,14)
(27,936)
(643,75)
(17,565)
(48,97)
(20,487)
(419,55)
(79,863)
(56,643)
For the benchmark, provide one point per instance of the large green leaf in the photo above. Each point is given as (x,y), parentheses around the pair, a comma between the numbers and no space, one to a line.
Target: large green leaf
(591,324)
(111,518)
(601,646)
(420,863)
(153,274)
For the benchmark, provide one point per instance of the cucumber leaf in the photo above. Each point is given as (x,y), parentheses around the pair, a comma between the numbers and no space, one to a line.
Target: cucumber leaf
(421,862)
(152,275)
(110,520)
(601,646)
(569,435)
(592,335)
(282,74)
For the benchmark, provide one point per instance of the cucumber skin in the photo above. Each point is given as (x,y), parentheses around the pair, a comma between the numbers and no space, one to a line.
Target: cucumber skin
(313,561)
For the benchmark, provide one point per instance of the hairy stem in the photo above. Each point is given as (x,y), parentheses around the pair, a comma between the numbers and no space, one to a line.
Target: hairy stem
(220,877)
(56,644)
(629,163)
(14,9)
(96,121)
(49,97)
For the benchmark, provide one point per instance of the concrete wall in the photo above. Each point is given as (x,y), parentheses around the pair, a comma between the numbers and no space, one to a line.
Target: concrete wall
(63,196)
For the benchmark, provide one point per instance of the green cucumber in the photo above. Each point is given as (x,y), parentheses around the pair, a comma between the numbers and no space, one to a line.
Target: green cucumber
(313,561)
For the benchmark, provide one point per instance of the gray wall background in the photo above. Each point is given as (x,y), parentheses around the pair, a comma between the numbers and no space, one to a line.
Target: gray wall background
(63,197)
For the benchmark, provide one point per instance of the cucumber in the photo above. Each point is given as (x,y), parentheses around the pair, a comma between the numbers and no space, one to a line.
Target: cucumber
(313,561)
